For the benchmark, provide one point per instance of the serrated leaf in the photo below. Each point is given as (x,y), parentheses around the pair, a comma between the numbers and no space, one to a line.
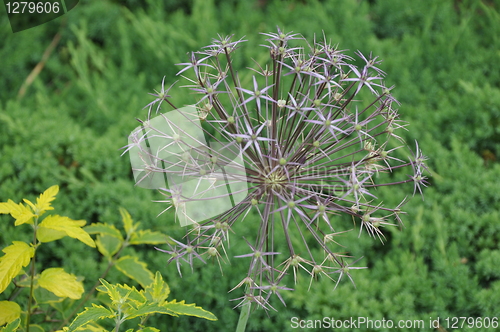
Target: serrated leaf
(61,283)
(91,314)
(149,329)
(111,290)
(108,245)
(92,327)
(135,269)
(9,312)
(181,308)
(148,237)
(127,221)
(149,309)
(32,206)
(158,291)
(17,256)
(5,207)
(72,228)
(21,213)
(100,228)
(130,294)
(43,202)
(12,327)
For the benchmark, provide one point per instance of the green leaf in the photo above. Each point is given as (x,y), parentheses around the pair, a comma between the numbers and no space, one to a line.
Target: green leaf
(107,229)
(36,328)
(125,297)
(12,327)
(181,308)
(108,245)
(127,221)
(135,269)
(148,237)
(158,291)
(90,314)
(131,294)
(43,295)
(149,309)
(72,228)
(17,256)
(9,312)
(111,290)
(61,283)
(92,327)
(149,329)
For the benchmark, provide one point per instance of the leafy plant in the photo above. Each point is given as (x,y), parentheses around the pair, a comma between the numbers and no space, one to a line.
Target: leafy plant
(53,285)
(127,303)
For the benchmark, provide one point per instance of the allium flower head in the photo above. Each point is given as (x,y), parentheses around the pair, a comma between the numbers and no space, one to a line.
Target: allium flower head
(298,147)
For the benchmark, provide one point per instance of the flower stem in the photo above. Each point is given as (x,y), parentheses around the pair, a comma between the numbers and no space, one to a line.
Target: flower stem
(244,314)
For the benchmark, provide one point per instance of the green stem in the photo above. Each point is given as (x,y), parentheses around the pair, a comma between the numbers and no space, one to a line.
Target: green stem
(244,314)
(32,276)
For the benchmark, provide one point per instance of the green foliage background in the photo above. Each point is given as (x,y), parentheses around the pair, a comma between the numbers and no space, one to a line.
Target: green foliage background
(443,57)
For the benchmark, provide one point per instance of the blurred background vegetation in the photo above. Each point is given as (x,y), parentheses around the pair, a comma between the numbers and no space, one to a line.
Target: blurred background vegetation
(67,126)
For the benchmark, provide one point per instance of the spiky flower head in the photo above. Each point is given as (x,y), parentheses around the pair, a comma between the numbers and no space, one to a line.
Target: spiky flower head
(303,144)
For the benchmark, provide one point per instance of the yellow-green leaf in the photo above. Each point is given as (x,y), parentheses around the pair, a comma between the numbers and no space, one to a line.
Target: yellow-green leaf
(131,294)
(32,206)
(92,327)
(127,221)
(149,329)
(5,207)
(124,296)
(135,269)
(9,312)
(148,237)
(149,309)
(111,290)
(158,291)
(61,283)
(181,308)
(43,202)
(17,256)
(12,327)
(92,314)
(100,228)
(45,234)
(72,228)
(108,245)
(21,213)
